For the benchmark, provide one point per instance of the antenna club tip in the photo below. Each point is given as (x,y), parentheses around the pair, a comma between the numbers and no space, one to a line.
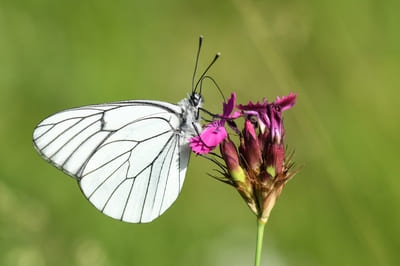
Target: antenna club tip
(201,36)
(218,54)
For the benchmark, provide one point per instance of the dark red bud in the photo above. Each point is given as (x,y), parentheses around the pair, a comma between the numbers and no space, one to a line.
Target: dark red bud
(263,139)
(274,157)
(229,153)
(252,150)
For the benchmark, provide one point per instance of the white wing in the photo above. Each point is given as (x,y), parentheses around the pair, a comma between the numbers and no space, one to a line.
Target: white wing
(129,157)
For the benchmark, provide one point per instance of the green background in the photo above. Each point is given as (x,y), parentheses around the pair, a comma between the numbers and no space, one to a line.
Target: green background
(341,57)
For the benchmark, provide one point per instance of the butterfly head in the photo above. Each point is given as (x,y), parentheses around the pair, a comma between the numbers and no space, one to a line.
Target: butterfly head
(196,100)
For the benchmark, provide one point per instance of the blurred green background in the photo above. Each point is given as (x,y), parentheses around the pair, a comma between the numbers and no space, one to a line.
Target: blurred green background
(341,57)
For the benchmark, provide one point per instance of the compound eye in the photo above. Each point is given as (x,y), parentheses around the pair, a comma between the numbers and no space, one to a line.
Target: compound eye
(196,99)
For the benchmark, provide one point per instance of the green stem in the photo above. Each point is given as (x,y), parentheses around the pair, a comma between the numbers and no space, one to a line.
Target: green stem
(260,233)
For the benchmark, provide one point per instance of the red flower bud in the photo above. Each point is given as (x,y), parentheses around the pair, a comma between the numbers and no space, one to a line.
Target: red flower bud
(229,153)
(231,158)
(274,158)
(251,150)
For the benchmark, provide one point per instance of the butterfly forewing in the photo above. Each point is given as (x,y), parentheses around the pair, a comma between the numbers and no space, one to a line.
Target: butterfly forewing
(129,157)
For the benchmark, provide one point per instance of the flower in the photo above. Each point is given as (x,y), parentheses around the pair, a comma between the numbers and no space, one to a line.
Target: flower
(210,137)
(269,115)
(258,166)
(215,132)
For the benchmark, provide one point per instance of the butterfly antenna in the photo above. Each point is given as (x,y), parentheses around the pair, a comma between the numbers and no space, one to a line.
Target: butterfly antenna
(197,61)
(215,83)
(205,71)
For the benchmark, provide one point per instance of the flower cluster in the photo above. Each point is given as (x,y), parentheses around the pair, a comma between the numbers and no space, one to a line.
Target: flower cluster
(256,164)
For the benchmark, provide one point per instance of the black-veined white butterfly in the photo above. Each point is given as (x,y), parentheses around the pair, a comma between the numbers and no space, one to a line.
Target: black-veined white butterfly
(129,157)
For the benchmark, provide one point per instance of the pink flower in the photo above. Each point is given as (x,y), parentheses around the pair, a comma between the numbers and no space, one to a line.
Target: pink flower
(259,168)
(210,137)
(269,115)
(215,132)
(256,163)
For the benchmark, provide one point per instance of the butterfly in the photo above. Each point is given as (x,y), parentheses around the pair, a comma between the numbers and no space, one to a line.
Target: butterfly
(129,157)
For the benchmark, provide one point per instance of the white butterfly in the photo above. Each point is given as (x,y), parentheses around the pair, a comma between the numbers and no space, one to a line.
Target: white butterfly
(130,157)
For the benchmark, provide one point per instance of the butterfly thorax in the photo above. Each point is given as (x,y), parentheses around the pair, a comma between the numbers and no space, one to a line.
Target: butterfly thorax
(190,125)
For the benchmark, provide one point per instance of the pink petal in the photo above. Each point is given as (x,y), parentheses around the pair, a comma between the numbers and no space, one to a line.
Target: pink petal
(214,136)
(210,138)
(198,147)
(249,129)
(253,106)
(235,115)
(229,106)
(286,102)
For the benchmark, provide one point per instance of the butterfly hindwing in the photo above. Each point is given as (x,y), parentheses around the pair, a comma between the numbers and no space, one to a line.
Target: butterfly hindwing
(129,157)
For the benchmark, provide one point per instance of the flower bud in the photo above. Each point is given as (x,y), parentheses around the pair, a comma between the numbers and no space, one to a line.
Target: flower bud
(231,158)
(274,158)
(263,139)
(251,150)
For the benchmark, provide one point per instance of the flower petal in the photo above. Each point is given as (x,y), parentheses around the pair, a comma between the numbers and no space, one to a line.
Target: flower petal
(253,106)
(211,136)
(198,146)
(286,102)
(276,127)
(229,106)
